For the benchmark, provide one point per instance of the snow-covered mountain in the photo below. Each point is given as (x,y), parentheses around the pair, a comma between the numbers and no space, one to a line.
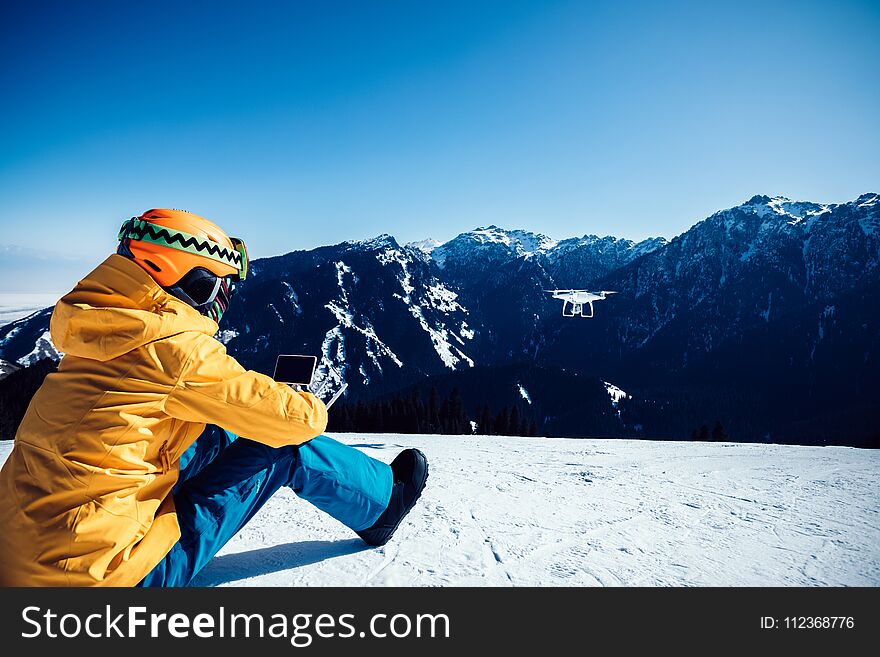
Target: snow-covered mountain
(581,261)
(502,274)
(426,245)
(769,306)
(375,311)
(759,264)
(7,368)
(471,256)
(489,245)
(27,340)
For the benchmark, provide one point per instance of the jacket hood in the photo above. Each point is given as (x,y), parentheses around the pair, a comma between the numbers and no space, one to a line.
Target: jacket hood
(119,307)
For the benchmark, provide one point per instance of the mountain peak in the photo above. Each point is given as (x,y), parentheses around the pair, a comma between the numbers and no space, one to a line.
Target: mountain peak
(426,245)
(382,241)
(492,242)
(522,241)
(778,207)
(868,199)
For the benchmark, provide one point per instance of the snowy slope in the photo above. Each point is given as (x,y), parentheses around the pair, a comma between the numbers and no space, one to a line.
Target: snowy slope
(14,306)
(554,512)
(7,368)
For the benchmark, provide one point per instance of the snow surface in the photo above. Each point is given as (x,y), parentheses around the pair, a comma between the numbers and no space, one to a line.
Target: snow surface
(226,335)
(44,348)
(15,305)
(782,207)
(440,298)
(867,200)
(615,393)
(523,242)
(561,512)
(7,368)
(340,309)
(426,245)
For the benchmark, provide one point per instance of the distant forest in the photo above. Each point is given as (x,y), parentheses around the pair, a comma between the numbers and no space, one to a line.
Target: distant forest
(676,415)
(16,391)
(410,413)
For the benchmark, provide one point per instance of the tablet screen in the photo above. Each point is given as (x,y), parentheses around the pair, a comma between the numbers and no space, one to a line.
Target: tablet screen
(295,369)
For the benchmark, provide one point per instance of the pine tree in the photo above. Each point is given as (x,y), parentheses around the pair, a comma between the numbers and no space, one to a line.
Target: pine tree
(347,421)
(418,411)
(459,423)
(501,423)
(513,421)
(719,435)
(445,418)
(378,419)
(484,420)
(433,424)
(362,417)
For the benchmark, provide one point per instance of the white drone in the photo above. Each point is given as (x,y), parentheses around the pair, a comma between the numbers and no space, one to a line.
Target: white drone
(578,300)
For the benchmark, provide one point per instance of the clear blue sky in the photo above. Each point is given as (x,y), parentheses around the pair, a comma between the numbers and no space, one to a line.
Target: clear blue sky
(298,124)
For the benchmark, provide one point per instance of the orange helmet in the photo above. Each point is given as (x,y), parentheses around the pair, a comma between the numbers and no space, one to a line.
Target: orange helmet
(187,255)
(168,244)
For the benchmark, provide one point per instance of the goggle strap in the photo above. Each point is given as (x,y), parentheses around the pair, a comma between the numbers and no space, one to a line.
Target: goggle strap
(144,231)
(221,303)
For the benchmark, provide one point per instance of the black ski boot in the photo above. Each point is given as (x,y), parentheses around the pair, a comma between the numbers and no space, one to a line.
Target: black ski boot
(410,472)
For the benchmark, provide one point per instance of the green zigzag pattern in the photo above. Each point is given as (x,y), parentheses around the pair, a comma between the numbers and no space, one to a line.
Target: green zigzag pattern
(144,231)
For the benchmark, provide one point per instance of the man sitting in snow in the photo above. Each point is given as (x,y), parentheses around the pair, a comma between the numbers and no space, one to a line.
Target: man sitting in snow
(151,447)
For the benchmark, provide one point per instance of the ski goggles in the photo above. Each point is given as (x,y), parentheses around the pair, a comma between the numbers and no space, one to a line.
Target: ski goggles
(144,231)
(200,288)
(207,293)
(244,262)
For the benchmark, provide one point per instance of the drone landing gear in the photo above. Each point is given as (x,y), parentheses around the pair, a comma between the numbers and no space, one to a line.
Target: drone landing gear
(577,309)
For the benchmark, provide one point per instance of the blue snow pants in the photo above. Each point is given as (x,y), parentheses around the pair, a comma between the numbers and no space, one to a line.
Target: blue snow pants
(224,480)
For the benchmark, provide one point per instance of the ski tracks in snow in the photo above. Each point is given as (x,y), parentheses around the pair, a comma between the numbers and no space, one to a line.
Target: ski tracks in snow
(559,512)
(492,557)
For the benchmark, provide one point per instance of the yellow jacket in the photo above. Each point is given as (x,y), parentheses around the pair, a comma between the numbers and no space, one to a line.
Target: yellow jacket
(85,496)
